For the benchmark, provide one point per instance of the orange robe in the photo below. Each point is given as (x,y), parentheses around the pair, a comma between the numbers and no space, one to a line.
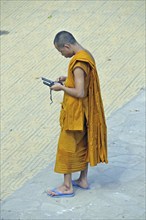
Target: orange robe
(83,136)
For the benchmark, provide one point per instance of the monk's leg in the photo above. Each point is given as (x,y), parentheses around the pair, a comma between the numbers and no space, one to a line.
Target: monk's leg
(83,174)
(68,182)
(66,187)
(82,180)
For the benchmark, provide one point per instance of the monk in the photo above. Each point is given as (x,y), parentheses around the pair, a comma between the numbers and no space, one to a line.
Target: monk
(83,136)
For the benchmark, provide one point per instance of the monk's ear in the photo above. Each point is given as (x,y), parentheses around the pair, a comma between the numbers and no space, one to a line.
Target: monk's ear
(67,46)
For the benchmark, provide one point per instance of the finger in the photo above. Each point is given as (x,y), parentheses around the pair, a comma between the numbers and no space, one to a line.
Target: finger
(60,78)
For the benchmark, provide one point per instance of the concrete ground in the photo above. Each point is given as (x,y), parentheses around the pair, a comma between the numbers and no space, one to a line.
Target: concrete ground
(117,190)
(114,31)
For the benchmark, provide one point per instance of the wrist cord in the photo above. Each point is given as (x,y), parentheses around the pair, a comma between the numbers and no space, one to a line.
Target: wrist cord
(51,99)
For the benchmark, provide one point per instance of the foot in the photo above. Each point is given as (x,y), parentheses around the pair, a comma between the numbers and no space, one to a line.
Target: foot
(82,183)
(63,189)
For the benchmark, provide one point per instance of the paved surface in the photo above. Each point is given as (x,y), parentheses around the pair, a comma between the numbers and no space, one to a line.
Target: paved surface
(112,30)
(117,189)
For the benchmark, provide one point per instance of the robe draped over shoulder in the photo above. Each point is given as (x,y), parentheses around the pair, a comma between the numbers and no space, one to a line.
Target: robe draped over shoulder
(75,112)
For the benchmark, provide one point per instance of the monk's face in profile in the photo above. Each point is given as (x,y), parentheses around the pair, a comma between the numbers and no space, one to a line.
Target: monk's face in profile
(66,51)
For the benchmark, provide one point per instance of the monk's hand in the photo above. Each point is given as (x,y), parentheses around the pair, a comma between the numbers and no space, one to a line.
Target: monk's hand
(61,79)
(57,87)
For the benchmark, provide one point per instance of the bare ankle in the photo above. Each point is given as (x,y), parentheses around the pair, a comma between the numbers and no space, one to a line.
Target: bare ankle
(83,179)
(68,186)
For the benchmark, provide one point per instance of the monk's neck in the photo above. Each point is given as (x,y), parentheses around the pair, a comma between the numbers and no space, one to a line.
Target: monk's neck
(77,48)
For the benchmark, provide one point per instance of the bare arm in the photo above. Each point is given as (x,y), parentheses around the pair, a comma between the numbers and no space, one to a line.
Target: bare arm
(78,90)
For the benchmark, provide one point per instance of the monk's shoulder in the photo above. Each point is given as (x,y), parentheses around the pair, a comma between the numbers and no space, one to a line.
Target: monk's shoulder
(83,65)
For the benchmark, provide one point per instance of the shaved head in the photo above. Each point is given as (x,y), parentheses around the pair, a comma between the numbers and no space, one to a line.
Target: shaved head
(64,37)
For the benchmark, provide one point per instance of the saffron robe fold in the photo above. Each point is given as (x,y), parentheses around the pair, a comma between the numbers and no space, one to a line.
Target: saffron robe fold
(83,136)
